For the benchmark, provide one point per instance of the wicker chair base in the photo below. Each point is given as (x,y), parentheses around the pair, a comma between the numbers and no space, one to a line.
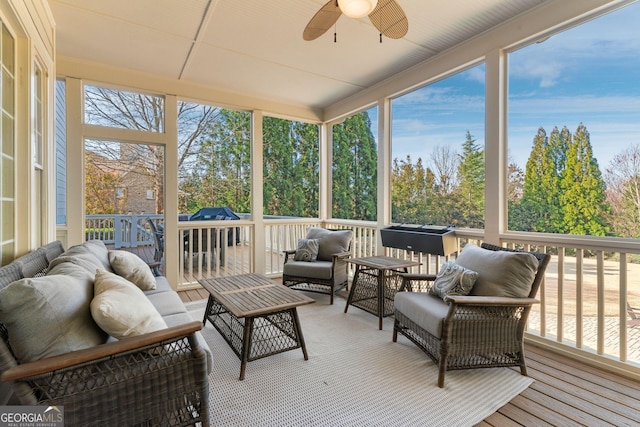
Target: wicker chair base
(317,285)
(465,353)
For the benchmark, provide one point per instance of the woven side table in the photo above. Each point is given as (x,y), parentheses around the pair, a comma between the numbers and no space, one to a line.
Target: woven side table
(375,284)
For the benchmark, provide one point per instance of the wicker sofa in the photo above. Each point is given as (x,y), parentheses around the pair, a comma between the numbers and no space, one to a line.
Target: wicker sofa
(155,378)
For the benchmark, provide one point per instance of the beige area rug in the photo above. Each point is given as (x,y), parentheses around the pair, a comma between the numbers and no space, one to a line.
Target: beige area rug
(355,376)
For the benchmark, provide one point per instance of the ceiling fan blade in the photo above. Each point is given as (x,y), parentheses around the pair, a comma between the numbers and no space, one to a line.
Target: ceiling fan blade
(389,18)
(322,21)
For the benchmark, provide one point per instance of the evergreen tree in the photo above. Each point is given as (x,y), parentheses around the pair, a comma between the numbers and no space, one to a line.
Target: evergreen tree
(471,177)
(355,169)
(541,190)
(223,164)
(583,192)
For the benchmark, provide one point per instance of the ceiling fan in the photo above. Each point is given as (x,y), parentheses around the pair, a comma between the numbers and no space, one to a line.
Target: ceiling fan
(386,15)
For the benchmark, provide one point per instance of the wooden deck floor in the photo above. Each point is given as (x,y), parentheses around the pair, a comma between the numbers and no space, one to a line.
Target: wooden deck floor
(565,392)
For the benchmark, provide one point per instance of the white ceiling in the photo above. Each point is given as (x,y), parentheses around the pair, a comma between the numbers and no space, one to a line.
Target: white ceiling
(255,47)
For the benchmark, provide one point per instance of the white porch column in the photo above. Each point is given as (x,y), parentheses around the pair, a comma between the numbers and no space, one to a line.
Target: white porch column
(171,251)
(325,195)
(75,162)
(384,167)
(495,146)
(257,193)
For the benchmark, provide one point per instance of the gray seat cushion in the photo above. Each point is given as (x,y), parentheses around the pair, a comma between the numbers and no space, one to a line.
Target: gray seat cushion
(167,303)
(315,270)
(426,310)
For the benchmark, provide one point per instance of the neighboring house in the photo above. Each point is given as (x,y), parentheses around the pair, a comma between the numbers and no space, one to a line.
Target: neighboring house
(122,186)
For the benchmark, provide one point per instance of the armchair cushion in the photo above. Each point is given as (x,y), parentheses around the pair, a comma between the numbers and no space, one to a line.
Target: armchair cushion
(500,273)
(315,270)
(330,241)
(453,279)
(307,250)
(425,309)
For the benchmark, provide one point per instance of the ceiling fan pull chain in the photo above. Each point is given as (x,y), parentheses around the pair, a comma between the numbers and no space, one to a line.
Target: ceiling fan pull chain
(335,37)
(380,37)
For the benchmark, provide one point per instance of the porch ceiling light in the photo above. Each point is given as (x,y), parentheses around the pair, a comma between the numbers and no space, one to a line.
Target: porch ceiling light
(357,8)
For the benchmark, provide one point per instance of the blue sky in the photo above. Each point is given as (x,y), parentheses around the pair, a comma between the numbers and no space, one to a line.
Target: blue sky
(588,74)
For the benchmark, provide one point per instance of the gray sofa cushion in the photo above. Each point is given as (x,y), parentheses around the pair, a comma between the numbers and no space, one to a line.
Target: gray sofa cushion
(162,285)
(500,273)
(330,241)
(426,310)
(47,316)
(167,303)
(315,270)
(83,255)
(100,251)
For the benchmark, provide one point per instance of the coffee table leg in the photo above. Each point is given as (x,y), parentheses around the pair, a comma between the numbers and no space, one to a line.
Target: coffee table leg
(207,310)
(296,322)
(354,283)
(246,345)
(381,274)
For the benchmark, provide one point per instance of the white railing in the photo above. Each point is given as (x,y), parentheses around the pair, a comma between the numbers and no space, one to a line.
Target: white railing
(121,230)
(214,249)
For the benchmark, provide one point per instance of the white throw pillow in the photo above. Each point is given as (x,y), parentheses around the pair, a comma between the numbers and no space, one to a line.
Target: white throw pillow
(121,309)
(133,268)
(453,279)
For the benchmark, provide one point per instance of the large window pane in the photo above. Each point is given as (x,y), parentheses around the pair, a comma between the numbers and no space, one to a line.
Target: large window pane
(574,130)
(438,152)
(214,158)
(355,167)
(291,163)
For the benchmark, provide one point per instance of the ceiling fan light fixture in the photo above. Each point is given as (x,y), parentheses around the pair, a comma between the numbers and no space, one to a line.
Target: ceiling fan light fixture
(357,8)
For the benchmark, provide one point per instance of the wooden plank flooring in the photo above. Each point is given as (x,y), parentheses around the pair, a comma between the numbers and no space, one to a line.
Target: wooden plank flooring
(565,392)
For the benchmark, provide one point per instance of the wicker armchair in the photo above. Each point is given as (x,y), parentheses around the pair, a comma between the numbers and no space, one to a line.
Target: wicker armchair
(326,275)
(466,331)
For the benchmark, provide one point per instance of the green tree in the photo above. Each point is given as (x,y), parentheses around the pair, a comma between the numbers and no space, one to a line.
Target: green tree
(411,186)
(355,169)
(291,165)
(223,164)
(540,197)
(583,193)
(471,174)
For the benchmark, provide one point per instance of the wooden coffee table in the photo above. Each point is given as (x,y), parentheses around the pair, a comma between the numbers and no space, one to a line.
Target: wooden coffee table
(256,316)
(375,283)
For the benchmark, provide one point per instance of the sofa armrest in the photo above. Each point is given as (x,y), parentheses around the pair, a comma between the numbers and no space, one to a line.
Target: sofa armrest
(88,355)
(152,379)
